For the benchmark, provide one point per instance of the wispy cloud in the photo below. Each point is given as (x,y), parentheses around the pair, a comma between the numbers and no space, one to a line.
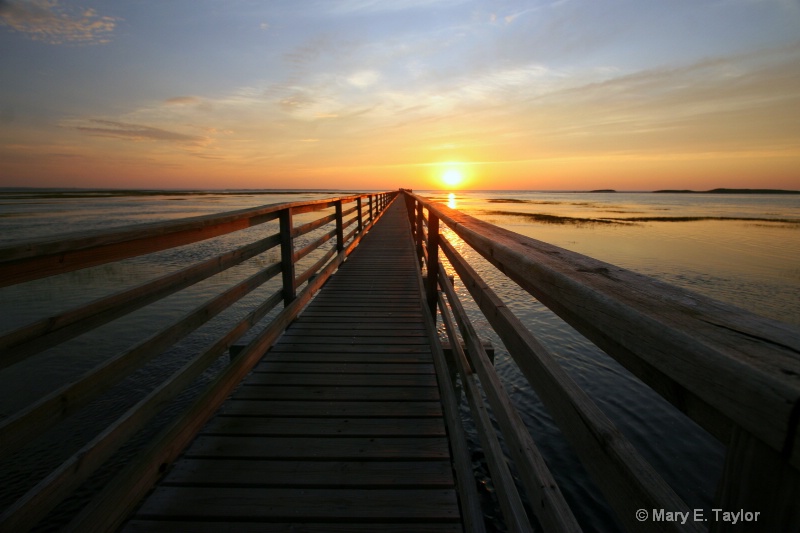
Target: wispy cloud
(350,6)
(182,100)
(50,22)
(136,132)
(193,102)
(364,78)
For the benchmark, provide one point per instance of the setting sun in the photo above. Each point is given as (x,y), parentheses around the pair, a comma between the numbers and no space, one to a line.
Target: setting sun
(452,177)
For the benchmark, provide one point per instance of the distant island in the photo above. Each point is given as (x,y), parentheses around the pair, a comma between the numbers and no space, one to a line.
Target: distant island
(603,190)
(728,191)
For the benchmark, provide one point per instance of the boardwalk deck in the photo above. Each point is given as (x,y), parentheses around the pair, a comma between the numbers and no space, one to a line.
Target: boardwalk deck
(339,427)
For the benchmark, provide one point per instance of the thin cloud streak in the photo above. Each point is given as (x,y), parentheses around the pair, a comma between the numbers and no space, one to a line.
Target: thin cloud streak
(136,132)
(383,6)
(52,23)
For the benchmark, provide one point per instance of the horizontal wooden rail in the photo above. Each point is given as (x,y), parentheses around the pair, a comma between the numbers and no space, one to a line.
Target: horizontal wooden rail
(75,470)
(58,255)
(734,373)
(40,335)
(111,506)
(471,512)
(66,400)
(626,479)
(299,254)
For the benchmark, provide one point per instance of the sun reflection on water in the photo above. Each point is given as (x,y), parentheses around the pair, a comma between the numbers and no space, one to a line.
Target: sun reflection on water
(451,200)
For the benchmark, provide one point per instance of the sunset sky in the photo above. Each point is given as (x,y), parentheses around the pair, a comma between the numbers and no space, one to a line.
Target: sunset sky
(381,94)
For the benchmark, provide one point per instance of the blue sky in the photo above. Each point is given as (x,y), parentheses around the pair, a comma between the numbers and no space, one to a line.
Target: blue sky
(565,94)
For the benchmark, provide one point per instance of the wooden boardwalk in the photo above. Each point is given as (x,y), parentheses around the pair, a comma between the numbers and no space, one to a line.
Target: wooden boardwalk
(339,427)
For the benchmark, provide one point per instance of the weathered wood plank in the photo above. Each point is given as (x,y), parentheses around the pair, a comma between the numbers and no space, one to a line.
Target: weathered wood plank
(347,368)
(115,502)
(345,356)
(373,297)
(301,504)
(755,479)
(509,498)
(64,253)
(720,364)
(334,329)
(367,316)
(331,448)
(16,430)
(345,407)
(471,513)
(377,348)
(312,474)
(367,394)
(37,336)
(628,481)
(311,226)
(322,427)
(357,292)
(291,341)
(154,526)
(333,409)
(313,245)
(385,380)
(359,317)
(75,470)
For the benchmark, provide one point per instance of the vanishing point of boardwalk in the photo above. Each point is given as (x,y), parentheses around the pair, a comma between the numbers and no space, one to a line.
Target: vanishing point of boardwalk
(339,427)
(340,414)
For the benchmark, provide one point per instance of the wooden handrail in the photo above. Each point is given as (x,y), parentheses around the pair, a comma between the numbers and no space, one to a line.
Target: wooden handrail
(66,253)
(111,506)
(16,430)
(735,373)
(31,339)
(623,475)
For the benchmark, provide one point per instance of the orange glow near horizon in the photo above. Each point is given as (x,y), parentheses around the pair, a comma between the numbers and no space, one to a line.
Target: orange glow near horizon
(294,106)
(587,172)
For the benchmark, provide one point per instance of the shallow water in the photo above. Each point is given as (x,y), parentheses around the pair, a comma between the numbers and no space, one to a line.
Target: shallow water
(753,263)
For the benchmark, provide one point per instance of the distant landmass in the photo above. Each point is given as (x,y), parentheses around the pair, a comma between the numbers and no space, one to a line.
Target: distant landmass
(729,191)
(603,190)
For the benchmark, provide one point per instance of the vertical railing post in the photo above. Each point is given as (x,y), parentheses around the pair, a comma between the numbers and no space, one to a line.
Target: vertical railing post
(339,227)
(419,233)
(360,215)
(756,479)
(433,262)
(287,256)
(371,216)
(410,210)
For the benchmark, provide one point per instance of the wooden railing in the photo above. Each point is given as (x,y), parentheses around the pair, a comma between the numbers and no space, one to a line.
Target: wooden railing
(351,217)
(734,373)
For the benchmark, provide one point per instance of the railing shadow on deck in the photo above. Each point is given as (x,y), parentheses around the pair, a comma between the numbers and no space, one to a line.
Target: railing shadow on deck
(348,219)
(735,374)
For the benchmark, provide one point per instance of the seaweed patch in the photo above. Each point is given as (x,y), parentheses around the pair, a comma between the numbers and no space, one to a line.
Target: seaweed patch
(555,219)
(701,219)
